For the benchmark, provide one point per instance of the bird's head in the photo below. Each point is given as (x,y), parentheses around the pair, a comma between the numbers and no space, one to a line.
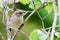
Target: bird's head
(19,12)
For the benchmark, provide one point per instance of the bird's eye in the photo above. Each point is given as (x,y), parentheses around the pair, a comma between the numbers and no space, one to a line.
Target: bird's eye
(23,12)
(20,13)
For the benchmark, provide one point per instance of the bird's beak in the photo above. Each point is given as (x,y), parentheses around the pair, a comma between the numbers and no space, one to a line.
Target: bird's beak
(25,12)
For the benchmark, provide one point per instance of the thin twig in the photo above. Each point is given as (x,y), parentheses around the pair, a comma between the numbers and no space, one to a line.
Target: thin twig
(22,33)
(14,5)
(50,27)
(9,9)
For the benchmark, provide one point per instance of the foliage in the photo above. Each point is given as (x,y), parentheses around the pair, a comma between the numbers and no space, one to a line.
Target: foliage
(34,25)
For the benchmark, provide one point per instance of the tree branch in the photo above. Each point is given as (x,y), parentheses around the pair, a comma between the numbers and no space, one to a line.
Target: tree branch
(54,21)
(7,18)
(59,11)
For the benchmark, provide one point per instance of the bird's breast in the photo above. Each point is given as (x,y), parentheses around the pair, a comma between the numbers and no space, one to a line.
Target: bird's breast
(15,23)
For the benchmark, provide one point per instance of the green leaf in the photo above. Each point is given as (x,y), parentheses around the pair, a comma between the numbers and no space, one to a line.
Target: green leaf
(25,1)
(49,0)
(1,5)
(41,35)
(49,8)
(38,35)
(37,4)
(57,34)
(34,35)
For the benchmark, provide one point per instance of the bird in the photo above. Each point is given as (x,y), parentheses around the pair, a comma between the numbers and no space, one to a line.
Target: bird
(16,19)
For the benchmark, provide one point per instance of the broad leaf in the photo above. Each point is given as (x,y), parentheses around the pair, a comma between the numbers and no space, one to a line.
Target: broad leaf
(38,35)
